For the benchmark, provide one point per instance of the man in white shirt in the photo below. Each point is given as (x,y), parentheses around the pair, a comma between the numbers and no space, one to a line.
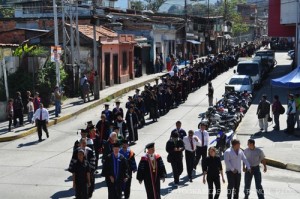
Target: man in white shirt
(291,111)
(203,137)
(190,142)
(41,118)
(233,157)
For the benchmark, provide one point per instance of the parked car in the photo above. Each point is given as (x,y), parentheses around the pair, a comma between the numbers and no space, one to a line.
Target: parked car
(241,83)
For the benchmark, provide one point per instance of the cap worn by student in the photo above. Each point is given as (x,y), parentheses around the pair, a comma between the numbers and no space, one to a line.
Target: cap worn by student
(106,105)
(125,141)
(89,123)
(118,102)
(137,90)
(150,145)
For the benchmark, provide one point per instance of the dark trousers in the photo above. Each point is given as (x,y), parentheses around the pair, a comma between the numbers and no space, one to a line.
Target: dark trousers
(177,168)
(189,159)
(114,190)
(9,123)
(291,123)
(18,114)
(41,124)
(257,177)
(127,188)
(81,192)
(92,187)
(234,180)
(201,152)
(211,180)
(96,159)
(276,120)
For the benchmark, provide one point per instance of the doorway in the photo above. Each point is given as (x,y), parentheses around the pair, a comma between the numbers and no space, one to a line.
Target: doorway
(107,69)
(131,69)
(116,68)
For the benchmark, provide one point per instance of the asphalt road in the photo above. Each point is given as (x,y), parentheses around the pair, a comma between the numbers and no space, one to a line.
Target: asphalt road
(29,169)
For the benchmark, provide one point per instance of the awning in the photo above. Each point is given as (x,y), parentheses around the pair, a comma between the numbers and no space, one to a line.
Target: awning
(194,41)
(140,39)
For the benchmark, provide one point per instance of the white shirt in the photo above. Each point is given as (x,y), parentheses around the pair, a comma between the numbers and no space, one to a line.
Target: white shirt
(233,160)
(291,107)
(45,114)
(187,142)
(198,133)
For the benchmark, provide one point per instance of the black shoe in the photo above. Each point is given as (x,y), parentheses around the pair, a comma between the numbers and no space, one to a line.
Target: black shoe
(261,129)
(40,140)
(47,135)
(191,180)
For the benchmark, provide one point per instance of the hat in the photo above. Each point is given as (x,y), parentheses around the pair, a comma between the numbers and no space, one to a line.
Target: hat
(89,123)
(80,151)
(117,144)
(150,145)
(83,131)
(106,105)
(138,90)
(118,102)
(125,141)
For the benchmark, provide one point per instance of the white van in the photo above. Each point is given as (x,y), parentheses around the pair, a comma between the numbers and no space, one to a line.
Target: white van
(253,69)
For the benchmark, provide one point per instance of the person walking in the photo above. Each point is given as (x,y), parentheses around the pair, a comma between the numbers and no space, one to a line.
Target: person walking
(255,156)
(86,91)
(30,108)
(233,157)
(212,168)
(210,94)
(291,111)
(190,142)
(117,111)
(174,147)
(151,170)
(276,109)
(41,119)
(263,113)
(115,171)
(180,131)
(57,100)
(36,101)
(203,137)
(132,122)
(132,166)
(297,118)
(81,176)
(10,113)
(108,113)
(18,109)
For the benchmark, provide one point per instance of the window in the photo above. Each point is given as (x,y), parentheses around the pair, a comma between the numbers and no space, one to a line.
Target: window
(124,59)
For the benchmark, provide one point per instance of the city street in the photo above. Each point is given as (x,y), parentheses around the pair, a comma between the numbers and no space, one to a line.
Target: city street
(30,169)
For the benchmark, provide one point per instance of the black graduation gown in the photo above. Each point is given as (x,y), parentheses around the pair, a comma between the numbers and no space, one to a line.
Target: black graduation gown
(109,115)
(151,179)
(117,112)
(132,130)
(115,189)
(81,170)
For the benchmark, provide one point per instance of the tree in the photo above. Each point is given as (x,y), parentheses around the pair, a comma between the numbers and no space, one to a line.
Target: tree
(6,12)
(231,14)
(137,5)
(154,5)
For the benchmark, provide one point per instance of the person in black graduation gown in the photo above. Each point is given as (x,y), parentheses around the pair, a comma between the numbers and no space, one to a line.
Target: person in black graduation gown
(81,176)
(108,113)
(174,147)
(151,170)
(117,111)
(115,171)
(132,122)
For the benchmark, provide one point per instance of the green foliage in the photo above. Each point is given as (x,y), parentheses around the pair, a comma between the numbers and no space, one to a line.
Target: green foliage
(31,51)
(154,5)
(7,12)
(138,5)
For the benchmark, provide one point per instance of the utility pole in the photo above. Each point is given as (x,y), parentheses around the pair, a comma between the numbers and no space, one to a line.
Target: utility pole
(5,79)
(56,41)
(297,50)
(95,52)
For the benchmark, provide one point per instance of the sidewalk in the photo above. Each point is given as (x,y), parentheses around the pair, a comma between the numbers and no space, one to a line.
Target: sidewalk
(282,150)
(74,106)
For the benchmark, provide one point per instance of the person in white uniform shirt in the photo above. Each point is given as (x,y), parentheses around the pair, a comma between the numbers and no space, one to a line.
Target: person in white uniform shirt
(233,158)
(201,150)
(41,118)
(190,142)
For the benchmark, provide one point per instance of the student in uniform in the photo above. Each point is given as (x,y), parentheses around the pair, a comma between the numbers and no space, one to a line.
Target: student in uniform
(212,168)
(108,113)
(255,156)
(151,170)
(115,171)
(81,176)
(117,111)
(132,167)
(203,137)
(174,147)
(132,122)
(180,131)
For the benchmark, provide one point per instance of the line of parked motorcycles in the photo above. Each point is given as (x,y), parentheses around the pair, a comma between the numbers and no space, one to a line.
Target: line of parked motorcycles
(223,118)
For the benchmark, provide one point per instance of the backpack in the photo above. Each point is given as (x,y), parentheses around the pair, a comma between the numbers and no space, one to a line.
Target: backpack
(281,110)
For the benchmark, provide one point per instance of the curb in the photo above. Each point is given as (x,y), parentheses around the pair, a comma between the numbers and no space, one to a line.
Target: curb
(93,105)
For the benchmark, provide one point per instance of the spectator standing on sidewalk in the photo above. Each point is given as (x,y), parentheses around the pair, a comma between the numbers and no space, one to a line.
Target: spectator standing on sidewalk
(36,101)
(212,168)
(57,99)
(233,157)
(82,80)
(10,113)
(91,81)
(210,94)
(276,107)
(86,91)
(18,109)
(263,113)
(291,111)
(297,119)
(255,156)
(30,108)
(41,118)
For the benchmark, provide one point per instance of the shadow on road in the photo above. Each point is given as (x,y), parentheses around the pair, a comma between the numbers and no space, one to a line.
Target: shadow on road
(28,144)
(277,136)
(63,194)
